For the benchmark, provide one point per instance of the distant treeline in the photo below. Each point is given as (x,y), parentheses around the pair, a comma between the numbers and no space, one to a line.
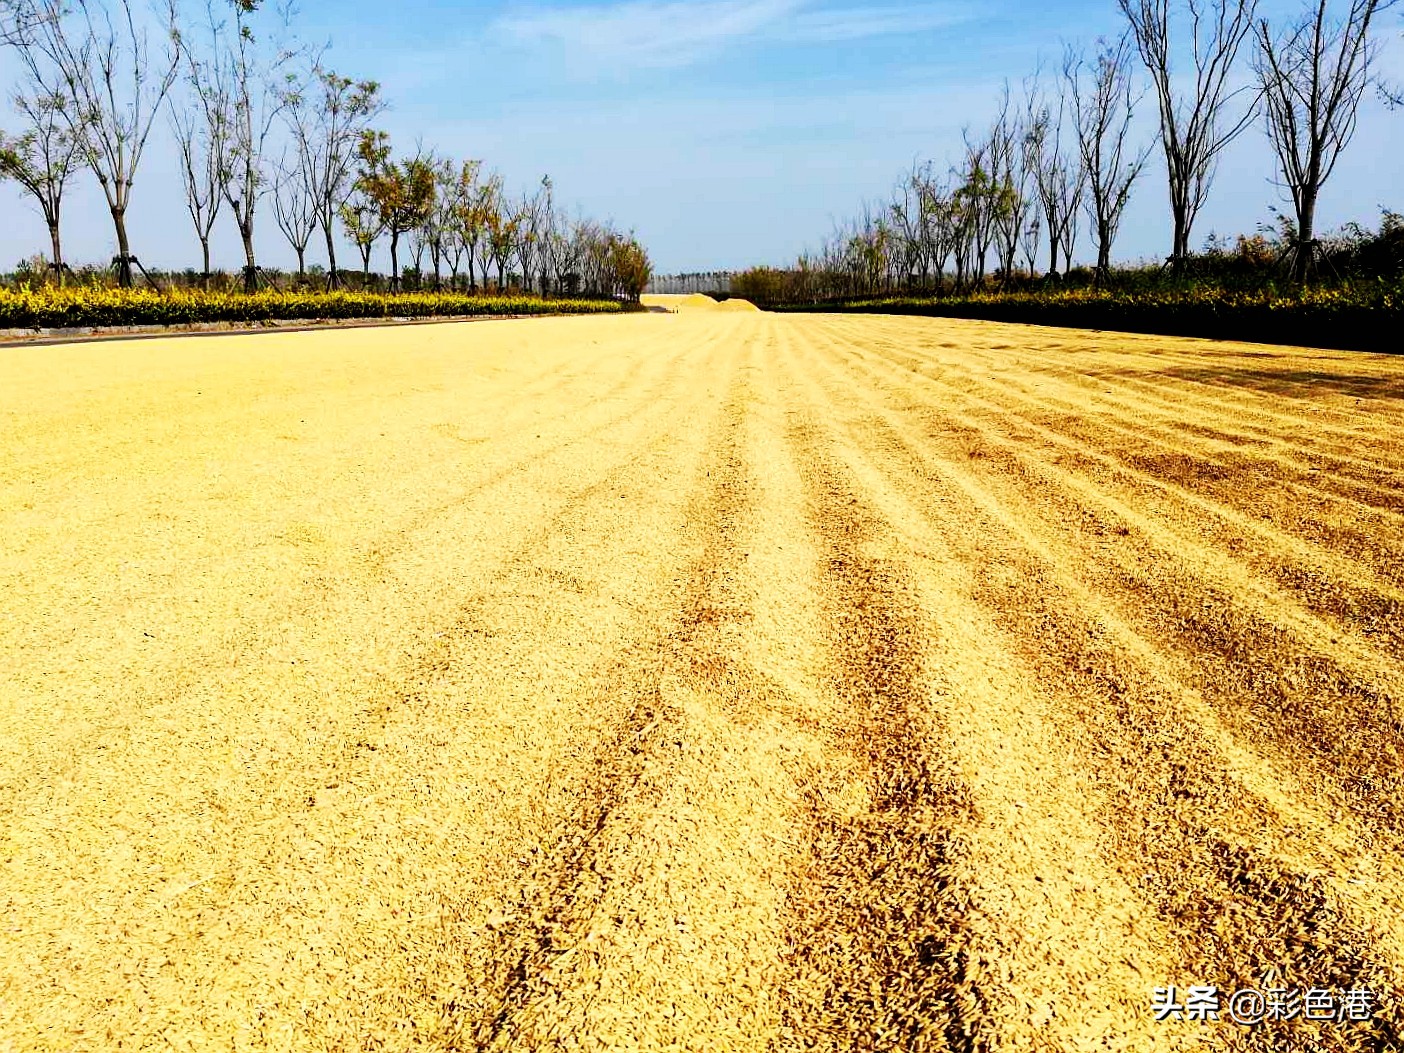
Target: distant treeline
(1238,292)
(1353,258)
(710,282)
(263,126)
(1061,154)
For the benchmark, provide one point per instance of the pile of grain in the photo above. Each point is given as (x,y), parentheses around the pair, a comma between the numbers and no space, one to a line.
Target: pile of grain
(693,302)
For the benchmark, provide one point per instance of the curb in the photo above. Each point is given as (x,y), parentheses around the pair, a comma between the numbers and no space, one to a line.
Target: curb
(91,333)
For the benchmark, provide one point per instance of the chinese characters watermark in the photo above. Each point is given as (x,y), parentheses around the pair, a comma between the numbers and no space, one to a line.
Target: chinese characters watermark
(1250,1006)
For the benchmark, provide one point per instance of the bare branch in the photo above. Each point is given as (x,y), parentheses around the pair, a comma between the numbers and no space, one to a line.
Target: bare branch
(1195,126)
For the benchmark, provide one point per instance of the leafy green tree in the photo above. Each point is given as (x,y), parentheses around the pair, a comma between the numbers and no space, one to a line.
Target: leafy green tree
(42,159)
(630,265)
(361,219)
(402,192)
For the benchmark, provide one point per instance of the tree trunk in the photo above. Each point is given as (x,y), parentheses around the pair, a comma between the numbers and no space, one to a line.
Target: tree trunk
(333,279)
(1306,229)
(1179,211)
(301,263)
(58,249)
(250,268)
(205,252)
(1103,253)
(394,260)
(124,256)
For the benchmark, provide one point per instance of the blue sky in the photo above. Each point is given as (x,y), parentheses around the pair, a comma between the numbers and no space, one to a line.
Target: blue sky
(724,132)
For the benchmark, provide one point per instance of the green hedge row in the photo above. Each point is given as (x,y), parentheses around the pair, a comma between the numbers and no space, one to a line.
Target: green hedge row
(1368,319)
(51,308)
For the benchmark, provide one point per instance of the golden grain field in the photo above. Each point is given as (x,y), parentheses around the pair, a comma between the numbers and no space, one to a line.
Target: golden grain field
(716,680)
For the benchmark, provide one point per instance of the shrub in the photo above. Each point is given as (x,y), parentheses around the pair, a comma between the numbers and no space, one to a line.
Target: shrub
(51,308)
(1362,316)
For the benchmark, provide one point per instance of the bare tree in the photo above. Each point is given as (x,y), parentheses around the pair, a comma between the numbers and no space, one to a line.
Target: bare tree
(17,19)
(197,122)
(569,254)
(1193,131)
(244,78)
(979,200)
(1102,113)
(908,217)
(418,243)
(1058,178)
(1313,77)
(547,241)
(498,234)
(327,116)
(293,208)
(104,66)
(42,159)
(438,230)
(1030,239)
(938,226)
(1011,202)
(529,222)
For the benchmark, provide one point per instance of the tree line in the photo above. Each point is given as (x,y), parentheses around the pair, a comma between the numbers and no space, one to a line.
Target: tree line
(1060,152)
(691,282)
(262,124)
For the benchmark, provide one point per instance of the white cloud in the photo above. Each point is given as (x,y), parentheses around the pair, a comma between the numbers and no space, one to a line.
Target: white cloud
(662,34)
(857,23)
(642,33)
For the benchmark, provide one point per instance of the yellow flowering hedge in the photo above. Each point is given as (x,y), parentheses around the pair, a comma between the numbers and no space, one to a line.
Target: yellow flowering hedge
(53,308)
(1367,317)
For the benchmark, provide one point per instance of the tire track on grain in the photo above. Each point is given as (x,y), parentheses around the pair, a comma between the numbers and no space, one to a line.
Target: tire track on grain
(1356,509)
(1227,641)
(1052,935)
(402,535)
(1254,668)
(522,923)
(1089,384)
(661,931)
(82,739)
(1088,449)
(264,834)
(1234,906)
(877,920)
(1368,608)
(1172,387)
(1359,484)
(1324,585)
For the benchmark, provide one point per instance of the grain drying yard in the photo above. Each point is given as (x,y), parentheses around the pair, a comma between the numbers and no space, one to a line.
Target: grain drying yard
(715,680)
